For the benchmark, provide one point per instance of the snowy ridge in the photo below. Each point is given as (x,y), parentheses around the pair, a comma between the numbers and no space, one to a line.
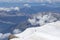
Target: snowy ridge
(49,28)
(49,31)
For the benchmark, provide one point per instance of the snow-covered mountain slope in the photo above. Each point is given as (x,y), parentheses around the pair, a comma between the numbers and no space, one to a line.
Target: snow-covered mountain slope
(50,31)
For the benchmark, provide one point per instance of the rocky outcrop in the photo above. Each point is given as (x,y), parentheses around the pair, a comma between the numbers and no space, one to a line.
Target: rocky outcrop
(11,37)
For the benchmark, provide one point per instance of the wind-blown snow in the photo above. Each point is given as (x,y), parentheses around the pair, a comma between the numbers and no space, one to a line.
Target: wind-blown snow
(50,31)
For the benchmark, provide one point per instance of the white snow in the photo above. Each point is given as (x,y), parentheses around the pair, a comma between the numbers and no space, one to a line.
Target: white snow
(50,31)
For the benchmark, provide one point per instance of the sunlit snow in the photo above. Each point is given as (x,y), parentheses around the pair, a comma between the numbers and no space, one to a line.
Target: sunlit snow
(49,31)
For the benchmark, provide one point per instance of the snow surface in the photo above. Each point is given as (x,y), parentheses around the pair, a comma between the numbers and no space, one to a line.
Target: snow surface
(50,31)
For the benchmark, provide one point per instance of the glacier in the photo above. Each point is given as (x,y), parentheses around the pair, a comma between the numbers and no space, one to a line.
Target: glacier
(49,31)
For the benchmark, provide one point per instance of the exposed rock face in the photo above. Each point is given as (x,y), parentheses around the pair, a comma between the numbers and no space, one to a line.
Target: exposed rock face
(11,37)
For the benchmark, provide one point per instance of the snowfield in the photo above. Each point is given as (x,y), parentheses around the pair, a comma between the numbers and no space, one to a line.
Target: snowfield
(50,31)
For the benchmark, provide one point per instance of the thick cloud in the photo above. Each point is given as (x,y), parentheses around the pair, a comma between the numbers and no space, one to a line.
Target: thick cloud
(9,9)
(15,31)
(42,19)
(4,36)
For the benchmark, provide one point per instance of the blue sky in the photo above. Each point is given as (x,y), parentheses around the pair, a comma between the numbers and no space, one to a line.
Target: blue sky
(30,1)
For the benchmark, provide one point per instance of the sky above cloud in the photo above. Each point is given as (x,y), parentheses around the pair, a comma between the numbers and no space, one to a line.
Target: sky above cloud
(29,0)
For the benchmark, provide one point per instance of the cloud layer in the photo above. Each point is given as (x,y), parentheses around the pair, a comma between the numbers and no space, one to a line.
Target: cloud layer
(7,22)
(30,1)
